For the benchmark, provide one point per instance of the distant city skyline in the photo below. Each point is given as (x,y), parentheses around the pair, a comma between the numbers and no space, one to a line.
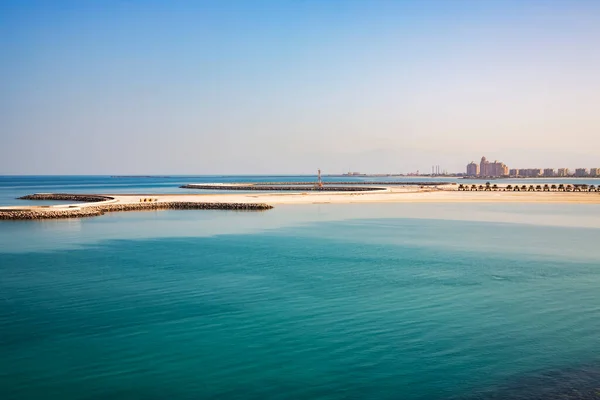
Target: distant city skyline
(486,168)
(286,87)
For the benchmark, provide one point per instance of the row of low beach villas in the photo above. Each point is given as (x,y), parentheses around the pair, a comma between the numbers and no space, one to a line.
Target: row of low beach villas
(498,169)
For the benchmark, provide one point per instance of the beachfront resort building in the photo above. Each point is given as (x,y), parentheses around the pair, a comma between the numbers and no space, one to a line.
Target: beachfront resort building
(595,172)
(494,169)
(531,172)
(581,172)
(563,172)
(472,169)
(549,172)
(487,169)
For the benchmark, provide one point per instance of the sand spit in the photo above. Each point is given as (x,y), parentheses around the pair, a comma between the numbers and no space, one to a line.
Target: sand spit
(98,204)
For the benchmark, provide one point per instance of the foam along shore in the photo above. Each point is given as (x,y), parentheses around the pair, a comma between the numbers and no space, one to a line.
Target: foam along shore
(96,205)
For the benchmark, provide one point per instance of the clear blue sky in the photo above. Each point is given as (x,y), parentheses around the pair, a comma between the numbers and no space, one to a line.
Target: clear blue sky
(226,87)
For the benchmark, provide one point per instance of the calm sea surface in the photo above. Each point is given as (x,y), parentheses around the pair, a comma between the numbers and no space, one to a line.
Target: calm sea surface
(358,301)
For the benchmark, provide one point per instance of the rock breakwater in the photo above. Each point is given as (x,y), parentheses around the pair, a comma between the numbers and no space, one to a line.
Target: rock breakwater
(91,210)
(27,214)
(183,205)
(87,198)
(361,183)
(278,188)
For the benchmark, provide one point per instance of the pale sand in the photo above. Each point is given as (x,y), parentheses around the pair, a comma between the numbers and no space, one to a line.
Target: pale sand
(392,195)
(445,194)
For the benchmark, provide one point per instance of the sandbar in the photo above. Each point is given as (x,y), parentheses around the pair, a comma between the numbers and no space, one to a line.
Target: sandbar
(265,201)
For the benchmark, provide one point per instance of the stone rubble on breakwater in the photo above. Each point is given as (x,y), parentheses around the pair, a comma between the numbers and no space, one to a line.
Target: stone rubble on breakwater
(91,210)
(85,198)
(49,214)
(295,188)
(386,183)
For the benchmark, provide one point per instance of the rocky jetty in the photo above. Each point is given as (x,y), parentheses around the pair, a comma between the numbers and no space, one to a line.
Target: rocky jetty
(278,187)
(182,205)
(86,198)
(92,210)
(389,183)
(49,213)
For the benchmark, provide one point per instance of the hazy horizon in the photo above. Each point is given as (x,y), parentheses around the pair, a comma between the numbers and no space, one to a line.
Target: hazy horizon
(282,87)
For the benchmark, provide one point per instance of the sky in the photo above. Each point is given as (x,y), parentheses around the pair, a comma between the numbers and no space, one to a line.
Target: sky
(286,87)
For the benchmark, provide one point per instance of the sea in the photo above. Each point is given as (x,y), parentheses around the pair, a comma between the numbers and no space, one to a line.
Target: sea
(349,301)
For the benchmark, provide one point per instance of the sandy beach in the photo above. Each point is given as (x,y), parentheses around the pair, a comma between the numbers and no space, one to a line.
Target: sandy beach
(391,195)
(97,204)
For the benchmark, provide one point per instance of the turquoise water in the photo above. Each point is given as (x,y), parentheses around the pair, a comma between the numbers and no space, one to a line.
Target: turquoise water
(359,301)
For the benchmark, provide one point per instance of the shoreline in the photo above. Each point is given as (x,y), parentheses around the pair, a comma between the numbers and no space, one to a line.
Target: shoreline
(99,204)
